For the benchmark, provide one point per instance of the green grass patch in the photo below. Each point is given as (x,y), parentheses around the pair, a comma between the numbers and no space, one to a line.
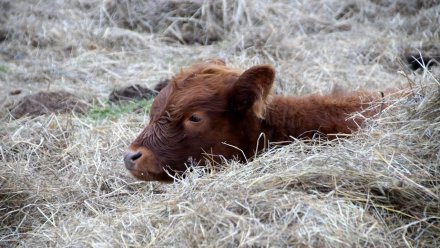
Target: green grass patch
(3,68)
(115,111)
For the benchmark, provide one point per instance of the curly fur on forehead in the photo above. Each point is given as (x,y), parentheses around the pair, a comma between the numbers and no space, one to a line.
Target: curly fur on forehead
(208,74)
(197,86)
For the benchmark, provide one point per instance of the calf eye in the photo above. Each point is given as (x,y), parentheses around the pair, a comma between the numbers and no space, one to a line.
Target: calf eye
(194,118)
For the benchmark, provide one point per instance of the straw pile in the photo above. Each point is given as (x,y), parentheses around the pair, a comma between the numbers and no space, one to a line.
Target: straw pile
(62,180)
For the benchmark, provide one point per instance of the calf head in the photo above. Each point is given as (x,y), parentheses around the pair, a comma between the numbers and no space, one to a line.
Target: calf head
(206,111)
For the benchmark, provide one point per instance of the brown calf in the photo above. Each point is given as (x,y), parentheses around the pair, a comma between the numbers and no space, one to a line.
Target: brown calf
(212,109)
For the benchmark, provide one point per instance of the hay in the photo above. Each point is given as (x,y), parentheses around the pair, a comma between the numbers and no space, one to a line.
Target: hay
(62,180)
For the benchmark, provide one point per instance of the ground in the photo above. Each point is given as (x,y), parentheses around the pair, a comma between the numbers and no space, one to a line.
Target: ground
(62,178)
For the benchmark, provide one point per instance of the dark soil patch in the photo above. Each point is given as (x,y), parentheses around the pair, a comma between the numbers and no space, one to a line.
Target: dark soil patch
(15,92)
(406,7)
(43,103)
(161,85)
(131,93)
(417,61)
(347,12)
(136,92)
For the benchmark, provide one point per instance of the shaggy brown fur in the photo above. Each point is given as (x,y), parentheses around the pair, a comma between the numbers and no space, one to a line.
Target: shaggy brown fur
(212,109)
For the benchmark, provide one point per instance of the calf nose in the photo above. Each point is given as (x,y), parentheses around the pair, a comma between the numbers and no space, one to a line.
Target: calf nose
(130,158)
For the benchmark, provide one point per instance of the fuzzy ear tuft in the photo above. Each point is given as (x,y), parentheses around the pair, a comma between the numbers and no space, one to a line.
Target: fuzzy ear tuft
(216,61)
(251,90)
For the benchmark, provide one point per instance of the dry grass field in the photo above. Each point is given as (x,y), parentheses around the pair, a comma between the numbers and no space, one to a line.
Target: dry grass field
(62,178)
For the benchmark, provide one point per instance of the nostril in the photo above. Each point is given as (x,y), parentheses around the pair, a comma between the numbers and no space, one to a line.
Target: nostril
(135,156)
(130,157)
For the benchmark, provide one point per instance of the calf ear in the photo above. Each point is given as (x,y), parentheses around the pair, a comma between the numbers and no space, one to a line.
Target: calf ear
(251,90)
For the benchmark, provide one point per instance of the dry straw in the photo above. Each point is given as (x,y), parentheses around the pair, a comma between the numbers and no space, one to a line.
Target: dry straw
(62,181)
